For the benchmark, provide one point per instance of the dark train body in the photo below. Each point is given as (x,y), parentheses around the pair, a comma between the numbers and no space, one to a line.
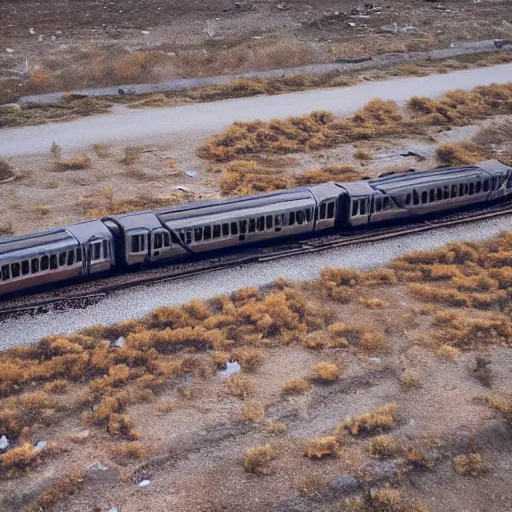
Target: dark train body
(120,242)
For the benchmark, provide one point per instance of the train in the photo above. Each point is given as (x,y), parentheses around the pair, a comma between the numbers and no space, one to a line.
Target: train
(117,243)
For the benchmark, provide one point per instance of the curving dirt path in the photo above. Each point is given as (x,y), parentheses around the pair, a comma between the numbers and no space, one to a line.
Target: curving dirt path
(158,124)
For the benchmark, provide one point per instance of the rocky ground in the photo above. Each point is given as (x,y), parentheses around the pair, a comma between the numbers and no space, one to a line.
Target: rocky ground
(61,45)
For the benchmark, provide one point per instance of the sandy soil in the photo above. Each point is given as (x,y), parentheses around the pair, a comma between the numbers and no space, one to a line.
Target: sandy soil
(75,45)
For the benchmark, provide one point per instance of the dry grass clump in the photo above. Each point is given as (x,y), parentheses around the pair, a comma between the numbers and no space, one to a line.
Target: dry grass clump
(248,358)
(390,500)
(469,465)
(23,457)
(295,387)
(67,485)
(311,486)
(76,163)
(252,412)
(239,386)
(276,428)
(459,153)
(448,352)
(374,303)
(326,372)
(502,404)
(361,154)
(132,155)
(410,380)
(418,458)
(382,447)
(322,447)
(128,451)
(257,459)
(101,150)
(380,420)
(56,386)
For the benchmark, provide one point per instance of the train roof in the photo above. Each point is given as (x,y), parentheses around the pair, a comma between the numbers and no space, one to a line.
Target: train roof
(196,208)
(409,179)
(16,242)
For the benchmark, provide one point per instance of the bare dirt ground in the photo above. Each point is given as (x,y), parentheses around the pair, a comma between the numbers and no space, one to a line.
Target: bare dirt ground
(61,45)
(389,344)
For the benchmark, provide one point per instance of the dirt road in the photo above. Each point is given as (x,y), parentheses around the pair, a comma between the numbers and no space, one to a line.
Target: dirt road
(159,124)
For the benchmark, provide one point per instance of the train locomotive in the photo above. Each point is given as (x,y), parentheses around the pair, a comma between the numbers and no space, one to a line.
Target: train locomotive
(120,242)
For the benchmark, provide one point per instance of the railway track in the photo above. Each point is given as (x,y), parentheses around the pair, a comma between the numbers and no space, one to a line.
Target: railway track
(83,295)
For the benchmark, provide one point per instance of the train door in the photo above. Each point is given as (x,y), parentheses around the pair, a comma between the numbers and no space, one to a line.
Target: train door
(96,256)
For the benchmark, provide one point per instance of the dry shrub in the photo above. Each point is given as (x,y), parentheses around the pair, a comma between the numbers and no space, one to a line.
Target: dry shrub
(502,404)
(459,153)
(248,358)
(374,303)
(361,154)
(439,294)
(417,457)
(382,447)
(448,352)
(76,163)
(337,283)
(165,406)
(239,386)
(410,380)
(390,500)
(252,412)
(469,465)
(276,428)
(42,209)
(128,451)
(23,457)
(79,437)
(322,447)
(56,386)
(295,387)
(67,485)
(257,459)
(101,150)
(380,420)
(373,340)
(311,486)
(326,372)
(132,155)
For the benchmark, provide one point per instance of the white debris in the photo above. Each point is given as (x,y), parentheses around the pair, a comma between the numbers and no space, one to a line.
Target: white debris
(211,29)
(182,188)
(351,24)
(191,174)
(144,483)
(32,31)
(9,50)
(409,29)
(113,509)
(145,32)
(40,445)
(376,360)
(98,466)
(4,443)
(119,343)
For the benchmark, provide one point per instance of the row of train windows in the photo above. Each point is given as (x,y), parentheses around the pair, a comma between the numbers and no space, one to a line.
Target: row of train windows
(96,251)
(359,206)
(448,192)
(159,240)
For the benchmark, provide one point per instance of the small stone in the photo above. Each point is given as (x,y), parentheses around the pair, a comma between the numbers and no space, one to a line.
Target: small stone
(409,29)
(351,24)
(191,174)
(4,443)
(389,29)
(31,30)
(40,445)
(145,32)
(376,360)
(144,483)
(113,509)
(9,50)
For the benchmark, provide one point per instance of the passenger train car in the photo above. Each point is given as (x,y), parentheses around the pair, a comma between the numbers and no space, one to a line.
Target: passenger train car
(119,242)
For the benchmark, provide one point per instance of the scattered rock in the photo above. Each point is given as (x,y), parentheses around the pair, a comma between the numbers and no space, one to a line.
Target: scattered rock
(9,50)
(113,509)
(100,472)
(40,445)
(376,360)
(145,32)
(191,174)
(31,30)
(409,29)
(13,107)
(144,483)
(182,188)
(4,443)
(389,29)
(343,484)
(119,343)
(211,29)
(383,469)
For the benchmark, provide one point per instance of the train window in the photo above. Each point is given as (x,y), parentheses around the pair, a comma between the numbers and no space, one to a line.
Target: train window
(62,259)
(167,242)
(34,264)
(252,225)
(97,249)
(415,198)
(79,254)
(45,263)
(323,211)
(446,192)
(135,243)
(486,185)
(243,227)
(216,231)
(424,196)
(493,183)
(6,274)
(53,262)
(269,222)
(439,194)
(431,195)
(158,241)
(454,191)
(225,229)
(291,218)
(299,216)
(363,206)
(408,199)
(277,219)
(509,181)
(308,215)
(234,228)
(330,210)
(207,232)
(189,236)
(478,187)
(105,249)
(182,235)
(71,257)
(25,267)
(355,208)
(261,223)
(198,234)
(15,270)
(377,205)
(461,189)
(174,238)
(471,188)
(387,204)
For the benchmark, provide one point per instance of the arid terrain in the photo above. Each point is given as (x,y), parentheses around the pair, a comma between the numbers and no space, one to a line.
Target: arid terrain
(62,45)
